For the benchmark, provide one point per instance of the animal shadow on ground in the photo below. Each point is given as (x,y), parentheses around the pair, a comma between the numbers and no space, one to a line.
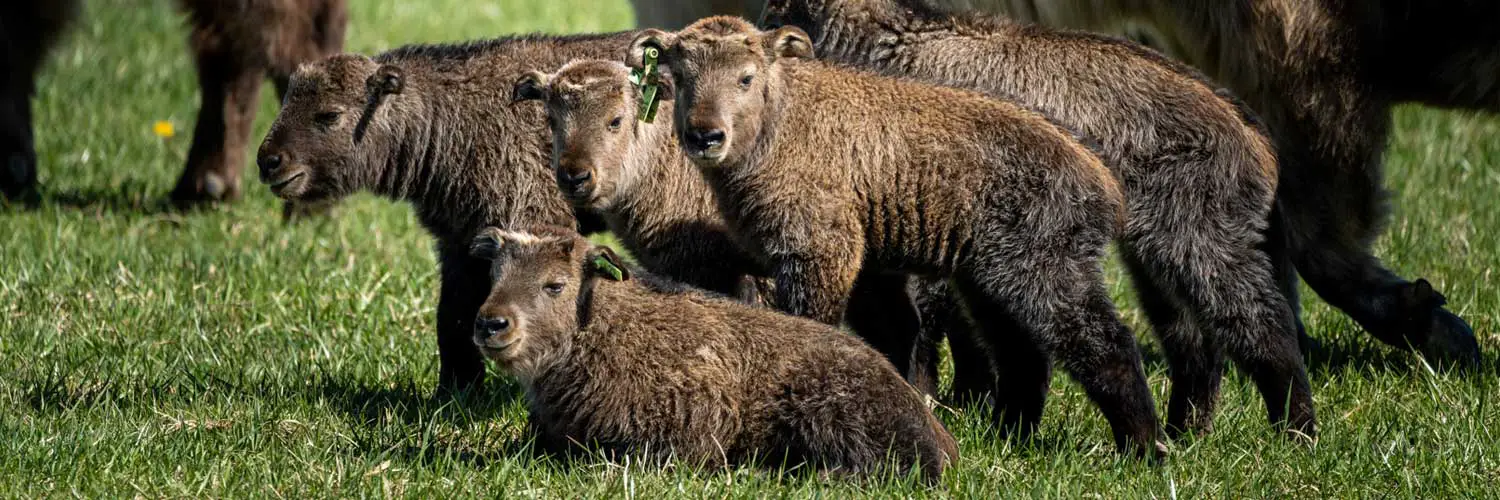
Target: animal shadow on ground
(133,196)
(407,403)
(383,417)
(1352,353)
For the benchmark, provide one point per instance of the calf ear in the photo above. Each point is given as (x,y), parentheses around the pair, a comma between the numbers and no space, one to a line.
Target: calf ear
(603,262)
(667,87)
(530,86)
(386,80)
(486,244)
(649,38)
(789,42)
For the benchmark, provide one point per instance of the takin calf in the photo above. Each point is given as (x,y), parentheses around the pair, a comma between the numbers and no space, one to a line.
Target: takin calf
(426,124)
(1325,76)
(612,161)
(624,363)
(824,172)
(1199,179)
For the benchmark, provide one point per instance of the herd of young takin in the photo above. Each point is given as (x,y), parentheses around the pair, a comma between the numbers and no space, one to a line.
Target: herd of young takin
(910,173)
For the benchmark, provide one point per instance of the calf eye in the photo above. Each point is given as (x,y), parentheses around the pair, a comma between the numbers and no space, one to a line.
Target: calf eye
(553,289)
(615,123)
(327,118)
(745,80)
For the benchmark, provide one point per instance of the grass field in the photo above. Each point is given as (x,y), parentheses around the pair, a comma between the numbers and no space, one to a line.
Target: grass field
(224,353)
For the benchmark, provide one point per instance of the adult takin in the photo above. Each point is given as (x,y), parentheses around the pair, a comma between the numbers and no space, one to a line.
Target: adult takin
(618,361)
(1199,176)
(235,47)
(823,172)
(610,160)
(426,124)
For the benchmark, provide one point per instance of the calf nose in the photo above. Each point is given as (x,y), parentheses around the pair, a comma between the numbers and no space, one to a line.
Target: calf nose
(269,164)
(573,183)
(704,138)
(485,328)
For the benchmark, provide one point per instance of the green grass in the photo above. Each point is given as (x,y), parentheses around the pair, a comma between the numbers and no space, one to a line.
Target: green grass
(224,353)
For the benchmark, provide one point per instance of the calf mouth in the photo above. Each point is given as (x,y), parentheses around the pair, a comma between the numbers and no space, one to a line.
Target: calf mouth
(495,345)
(288,186)
(585,197)
(712,155)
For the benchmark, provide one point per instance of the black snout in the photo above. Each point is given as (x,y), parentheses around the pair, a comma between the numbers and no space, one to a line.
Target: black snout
(573,183)
(704,138)
(269,164)
(485,328)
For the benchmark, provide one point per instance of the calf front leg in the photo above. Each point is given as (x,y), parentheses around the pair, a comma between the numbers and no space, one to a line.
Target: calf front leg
(464,287)
(815,281)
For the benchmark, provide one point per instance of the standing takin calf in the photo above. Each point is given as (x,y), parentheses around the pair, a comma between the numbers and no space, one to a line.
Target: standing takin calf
(426,124)
(236,46)
(632,174)
(1325,75)
(823,172)
(1199,179)
(653,198)
(624,363)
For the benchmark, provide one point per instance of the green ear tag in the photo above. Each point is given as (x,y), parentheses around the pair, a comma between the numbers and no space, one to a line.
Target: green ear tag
(604,265)
(646,79)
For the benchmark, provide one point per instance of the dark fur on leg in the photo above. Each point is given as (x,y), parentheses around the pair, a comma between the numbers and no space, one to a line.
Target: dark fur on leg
(28,31)
(882,312)
(237,46)
(465,283)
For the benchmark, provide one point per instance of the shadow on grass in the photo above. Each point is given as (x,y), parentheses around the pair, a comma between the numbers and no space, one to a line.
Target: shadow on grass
(367,401)
(132,196)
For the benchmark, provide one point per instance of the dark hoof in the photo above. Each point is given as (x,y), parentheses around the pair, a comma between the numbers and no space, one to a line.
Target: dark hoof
(1450,342)
(208,189)
(1442,337)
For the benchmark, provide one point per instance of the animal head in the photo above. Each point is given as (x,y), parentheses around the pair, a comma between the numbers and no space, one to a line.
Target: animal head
(333,112)
(541,278)
(592,108)
(724,70)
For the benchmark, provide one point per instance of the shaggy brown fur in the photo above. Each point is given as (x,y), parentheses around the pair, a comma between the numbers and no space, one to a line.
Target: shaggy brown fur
(235,45)
(658,204)
(1324,74)
(429,125)
(627,364)
(823,172)
(1199,179)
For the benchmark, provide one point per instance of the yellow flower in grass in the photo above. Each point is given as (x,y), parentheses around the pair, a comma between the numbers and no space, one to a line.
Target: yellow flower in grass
(164,129)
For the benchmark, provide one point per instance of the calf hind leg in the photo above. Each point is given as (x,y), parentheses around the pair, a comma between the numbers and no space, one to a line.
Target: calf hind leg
(1230,289)
(1023,371)
(1197,366)
(1069,315)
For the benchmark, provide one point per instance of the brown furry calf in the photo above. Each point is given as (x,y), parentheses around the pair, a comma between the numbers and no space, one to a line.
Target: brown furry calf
(656,202)
(617,361)
(1199,179)
(427,124)
(824,173)
(236,46)
(652,198)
